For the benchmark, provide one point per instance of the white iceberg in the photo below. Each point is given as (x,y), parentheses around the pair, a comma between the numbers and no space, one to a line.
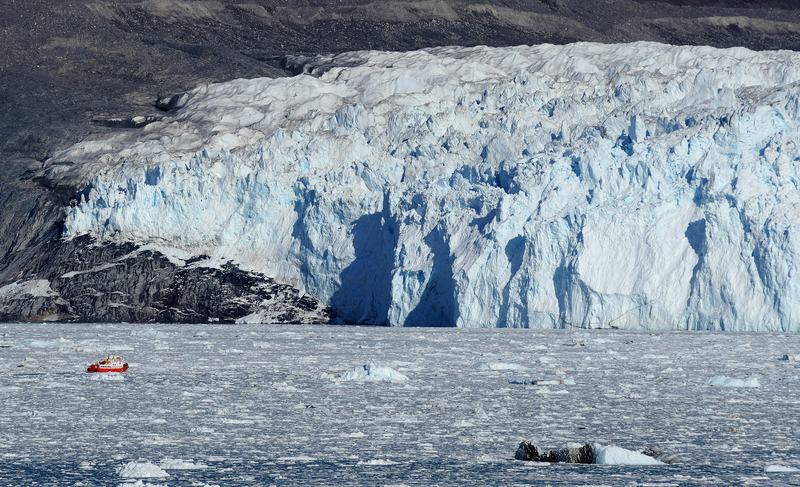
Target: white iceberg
(141,470)
(722,381)
(371,371)
(496,366)
(180,464)
(614,455)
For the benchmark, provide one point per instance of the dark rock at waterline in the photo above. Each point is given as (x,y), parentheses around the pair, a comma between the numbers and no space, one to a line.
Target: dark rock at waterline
(529,451)
(663,456)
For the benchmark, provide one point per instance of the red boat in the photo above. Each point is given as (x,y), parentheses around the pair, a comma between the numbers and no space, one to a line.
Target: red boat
(109,364)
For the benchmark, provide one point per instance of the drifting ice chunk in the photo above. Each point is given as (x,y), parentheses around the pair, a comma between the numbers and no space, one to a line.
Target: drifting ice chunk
(614,455)
(139,483)
(373,372)
(566,381)
(780,468)
(722,381)
(179,464)
(378,461)
(141,470)
(497,366)
(299,458)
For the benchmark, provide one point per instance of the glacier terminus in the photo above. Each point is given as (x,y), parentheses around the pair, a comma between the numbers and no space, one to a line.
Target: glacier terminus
(632,186)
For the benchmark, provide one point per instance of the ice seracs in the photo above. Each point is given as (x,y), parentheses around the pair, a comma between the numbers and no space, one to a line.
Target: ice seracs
(611,186)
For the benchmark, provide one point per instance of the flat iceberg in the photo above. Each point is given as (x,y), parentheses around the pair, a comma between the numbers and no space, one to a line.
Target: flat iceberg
(722,381)
(639,186)
(141,470)
(180,464)
(614,455)
(371,371)
(496,366)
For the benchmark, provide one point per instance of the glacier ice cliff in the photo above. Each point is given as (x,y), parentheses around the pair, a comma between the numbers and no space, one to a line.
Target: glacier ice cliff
(629,186)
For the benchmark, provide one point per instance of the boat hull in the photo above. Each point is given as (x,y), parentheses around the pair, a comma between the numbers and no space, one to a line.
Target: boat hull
(96,368)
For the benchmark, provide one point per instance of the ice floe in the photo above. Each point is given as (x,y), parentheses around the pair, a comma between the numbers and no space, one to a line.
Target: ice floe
(371,371)
(722,381)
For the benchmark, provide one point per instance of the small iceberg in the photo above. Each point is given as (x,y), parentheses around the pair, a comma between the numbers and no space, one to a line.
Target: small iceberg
(564,381)
(371,371)
(141,470)
(180,464)
(614,455)
(722,381)
(497,366)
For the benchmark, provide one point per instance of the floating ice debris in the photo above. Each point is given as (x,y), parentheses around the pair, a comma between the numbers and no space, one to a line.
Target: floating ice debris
(497,366)
(566,381)
(140,483)
(371,371)
(375,462)
(179,464)
(299,458)
(780,469)
(141,470)
(722,381)
(111,377)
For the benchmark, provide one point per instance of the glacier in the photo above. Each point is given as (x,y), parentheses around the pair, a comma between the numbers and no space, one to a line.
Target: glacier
(634,186)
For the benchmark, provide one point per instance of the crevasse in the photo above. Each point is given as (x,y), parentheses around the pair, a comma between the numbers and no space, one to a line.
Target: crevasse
(631,186)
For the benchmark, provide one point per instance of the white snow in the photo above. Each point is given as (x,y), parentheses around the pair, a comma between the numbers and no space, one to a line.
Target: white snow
(35,288)
(371,371)
(635,185)
(614,455)
(141,470)
(722,381)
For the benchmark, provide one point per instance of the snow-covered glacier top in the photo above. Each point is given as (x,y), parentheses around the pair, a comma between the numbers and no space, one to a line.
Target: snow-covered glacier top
(634,186)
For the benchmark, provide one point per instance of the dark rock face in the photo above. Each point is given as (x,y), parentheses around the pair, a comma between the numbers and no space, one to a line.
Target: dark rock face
(663,456)
(70,71)
(528,451)
(119,282)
